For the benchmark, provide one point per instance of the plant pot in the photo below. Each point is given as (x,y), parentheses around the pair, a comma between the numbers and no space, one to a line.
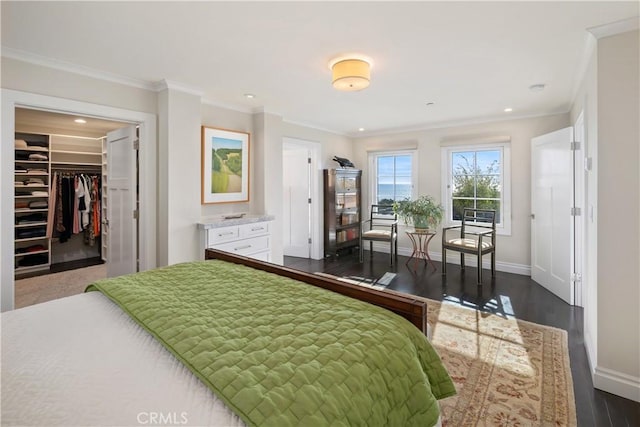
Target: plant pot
(420,223)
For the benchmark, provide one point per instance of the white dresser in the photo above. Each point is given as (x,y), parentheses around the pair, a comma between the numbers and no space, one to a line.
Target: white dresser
(249,236)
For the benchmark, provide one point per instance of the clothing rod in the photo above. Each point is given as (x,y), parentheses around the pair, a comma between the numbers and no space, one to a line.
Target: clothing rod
(83,168)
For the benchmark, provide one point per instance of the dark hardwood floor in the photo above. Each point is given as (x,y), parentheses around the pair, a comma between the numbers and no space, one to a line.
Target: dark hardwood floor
(507,295)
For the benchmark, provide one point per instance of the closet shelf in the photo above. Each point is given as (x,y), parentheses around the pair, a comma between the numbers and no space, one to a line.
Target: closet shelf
(32,253)
(76,163)
(31,268)
(33,150)
(33,162)
(88,153)
(32,173)
(32,197)
(31,224)
(27,210)
(31,239)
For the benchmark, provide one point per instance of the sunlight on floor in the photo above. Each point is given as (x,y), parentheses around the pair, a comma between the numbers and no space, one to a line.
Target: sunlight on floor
(488,338)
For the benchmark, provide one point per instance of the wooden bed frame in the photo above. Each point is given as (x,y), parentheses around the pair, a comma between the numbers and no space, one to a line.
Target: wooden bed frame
(410,308)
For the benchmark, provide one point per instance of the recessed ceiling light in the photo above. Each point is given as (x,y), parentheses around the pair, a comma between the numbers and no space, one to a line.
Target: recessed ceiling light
(430,104)
(360,129)
(83,121)
(508,110)
(249,95)
(538,87)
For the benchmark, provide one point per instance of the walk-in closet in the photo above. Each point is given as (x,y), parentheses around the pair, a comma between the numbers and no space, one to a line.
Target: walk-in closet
(61,203)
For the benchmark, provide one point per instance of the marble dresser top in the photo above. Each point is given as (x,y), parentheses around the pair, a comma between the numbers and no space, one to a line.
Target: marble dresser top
(218,222)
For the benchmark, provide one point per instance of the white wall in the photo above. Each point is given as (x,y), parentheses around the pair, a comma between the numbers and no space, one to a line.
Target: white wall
(512,252)
(27,77)
(618,275)
(179,175)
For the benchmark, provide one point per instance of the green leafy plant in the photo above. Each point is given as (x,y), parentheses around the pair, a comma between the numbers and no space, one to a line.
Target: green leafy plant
(423,212)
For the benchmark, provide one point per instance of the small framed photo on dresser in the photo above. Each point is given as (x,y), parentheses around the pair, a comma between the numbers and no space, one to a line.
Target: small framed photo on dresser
(225,166)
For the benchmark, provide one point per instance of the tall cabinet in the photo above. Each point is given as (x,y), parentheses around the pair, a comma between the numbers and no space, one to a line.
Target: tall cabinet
(342,209)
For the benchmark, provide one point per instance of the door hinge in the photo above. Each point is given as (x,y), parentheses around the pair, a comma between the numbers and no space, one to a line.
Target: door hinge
(576,277)
(576,211)
(136,144)
(309,240)
(309,160)
(309,200)
(135,214)
(575,145)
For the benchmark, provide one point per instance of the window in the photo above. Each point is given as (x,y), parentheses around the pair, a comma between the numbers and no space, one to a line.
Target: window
(478,177)
(393,176)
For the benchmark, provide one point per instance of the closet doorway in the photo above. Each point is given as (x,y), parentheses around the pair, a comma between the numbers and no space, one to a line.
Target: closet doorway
(70,227)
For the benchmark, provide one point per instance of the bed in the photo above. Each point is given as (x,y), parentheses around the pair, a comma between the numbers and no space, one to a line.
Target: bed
(229,341)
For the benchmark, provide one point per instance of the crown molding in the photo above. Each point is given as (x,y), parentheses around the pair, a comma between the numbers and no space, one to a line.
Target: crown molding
(165,84)
(316,127)
(455,123)
(614,28)
(69,67)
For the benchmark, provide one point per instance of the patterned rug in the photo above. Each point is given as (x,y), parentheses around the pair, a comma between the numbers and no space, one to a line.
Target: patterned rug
(508,372)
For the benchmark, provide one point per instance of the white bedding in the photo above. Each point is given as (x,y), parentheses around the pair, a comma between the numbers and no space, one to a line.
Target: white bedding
(82,361)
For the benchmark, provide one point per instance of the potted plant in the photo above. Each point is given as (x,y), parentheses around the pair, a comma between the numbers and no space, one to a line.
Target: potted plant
(424,212)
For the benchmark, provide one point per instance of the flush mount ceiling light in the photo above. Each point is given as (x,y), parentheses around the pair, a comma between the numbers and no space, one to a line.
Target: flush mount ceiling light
(350,73)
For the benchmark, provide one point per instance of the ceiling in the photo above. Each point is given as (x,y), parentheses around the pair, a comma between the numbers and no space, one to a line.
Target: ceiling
(471,59)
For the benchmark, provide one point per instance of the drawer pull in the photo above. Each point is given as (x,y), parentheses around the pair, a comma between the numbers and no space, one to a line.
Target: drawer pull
(225,234)
(257,228)
(241,247)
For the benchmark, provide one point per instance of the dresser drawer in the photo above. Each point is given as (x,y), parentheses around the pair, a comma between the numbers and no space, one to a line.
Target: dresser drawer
(222,234)
(254,229)
(245,246)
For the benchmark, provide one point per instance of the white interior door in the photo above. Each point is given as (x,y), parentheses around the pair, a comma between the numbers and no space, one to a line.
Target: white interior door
(121,224)
(297,193)
(551,221)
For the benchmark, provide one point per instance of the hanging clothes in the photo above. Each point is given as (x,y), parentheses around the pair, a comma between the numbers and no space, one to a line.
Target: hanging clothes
(77,206)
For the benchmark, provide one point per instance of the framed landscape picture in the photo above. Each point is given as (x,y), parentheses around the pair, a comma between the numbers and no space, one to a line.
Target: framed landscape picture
(225,166)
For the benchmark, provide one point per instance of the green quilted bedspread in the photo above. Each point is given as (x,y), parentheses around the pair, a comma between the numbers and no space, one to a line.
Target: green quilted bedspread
(283,353)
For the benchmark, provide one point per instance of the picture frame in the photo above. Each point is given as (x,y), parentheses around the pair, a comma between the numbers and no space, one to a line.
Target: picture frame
(225,166)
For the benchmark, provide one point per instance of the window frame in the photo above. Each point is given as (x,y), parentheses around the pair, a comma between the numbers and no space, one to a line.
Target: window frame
(373,167)
(502,228)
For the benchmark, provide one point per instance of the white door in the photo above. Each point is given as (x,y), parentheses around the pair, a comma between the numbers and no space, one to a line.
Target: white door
(551,203)
(296,197)
(121,224)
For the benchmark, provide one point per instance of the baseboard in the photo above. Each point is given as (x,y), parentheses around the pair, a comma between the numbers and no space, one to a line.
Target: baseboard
(453,258)
(617,383)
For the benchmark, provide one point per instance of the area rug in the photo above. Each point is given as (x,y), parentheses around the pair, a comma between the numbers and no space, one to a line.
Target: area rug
(507,372)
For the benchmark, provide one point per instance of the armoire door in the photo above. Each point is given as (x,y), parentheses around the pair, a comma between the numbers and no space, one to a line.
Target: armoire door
(121,221)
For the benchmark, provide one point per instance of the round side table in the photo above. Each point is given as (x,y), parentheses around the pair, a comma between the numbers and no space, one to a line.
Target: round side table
(420,241)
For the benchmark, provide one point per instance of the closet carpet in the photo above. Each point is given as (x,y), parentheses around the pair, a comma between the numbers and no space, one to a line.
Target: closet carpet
(34,290)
